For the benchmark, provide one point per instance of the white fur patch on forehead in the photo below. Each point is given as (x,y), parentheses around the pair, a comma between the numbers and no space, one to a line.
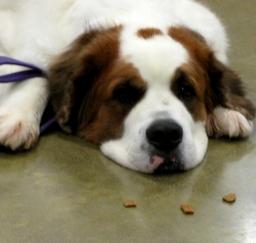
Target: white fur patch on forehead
(156,58)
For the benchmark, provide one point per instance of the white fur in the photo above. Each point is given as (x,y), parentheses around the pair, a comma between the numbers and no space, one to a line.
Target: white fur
(35,31)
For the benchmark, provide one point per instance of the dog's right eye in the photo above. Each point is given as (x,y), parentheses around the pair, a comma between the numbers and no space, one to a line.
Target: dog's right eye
(127,94)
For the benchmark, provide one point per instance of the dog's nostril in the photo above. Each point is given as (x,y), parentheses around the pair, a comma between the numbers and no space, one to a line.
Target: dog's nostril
(164,135)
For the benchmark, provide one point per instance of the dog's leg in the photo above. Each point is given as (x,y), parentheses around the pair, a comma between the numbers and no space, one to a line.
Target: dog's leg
(21,109)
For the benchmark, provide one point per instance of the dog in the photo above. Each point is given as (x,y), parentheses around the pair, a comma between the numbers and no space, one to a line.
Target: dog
(147,81)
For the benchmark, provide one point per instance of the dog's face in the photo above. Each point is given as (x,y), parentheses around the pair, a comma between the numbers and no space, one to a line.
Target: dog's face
(144,95)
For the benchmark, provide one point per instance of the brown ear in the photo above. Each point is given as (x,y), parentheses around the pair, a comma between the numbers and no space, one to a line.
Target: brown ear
(230,112)
(73,73)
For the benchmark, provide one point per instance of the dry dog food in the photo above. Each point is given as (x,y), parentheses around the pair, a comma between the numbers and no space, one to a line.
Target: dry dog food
(186,208)
(230,198)
(129,204)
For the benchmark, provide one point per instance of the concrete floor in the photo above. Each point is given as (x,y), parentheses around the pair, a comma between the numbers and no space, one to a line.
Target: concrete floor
(65,191)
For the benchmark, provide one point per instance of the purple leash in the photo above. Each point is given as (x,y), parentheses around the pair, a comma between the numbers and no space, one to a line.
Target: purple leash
(31,72)
(21,75)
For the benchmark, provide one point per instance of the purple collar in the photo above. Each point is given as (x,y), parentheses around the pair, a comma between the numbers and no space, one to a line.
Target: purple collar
(31,72)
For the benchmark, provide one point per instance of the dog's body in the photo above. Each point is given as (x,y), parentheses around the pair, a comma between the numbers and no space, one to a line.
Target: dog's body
(134,62)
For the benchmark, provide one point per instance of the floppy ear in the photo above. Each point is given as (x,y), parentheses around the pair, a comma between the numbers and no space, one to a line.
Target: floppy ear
(74,72)
(230,112)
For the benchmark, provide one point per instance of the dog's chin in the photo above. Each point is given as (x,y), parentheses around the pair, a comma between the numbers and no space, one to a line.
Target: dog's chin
(148,160)
(166,163)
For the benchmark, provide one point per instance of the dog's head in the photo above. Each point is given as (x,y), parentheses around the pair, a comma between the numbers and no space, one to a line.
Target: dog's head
(145,95)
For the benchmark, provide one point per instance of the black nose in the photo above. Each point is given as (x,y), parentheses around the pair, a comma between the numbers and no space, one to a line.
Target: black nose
(164,135)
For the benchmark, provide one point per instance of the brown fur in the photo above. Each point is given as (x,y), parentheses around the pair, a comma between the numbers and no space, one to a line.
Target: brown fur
(195,78)
(195,69)
(104,118)
(82,82)
(73,66)
(147,33)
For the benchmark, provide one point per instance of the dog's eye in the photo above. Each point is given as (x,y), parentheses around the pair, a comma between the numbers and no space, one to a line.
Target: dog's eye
(127,94)
(185,91)
(183,88)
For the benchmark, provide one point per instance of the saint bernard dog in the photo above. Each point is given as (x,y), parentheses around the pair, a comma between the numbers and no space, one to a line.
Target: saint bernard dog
(147,81)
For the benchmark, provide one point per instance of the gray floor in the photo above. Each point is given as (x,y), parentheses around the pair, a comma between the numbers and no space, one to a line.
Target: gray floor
(66,191)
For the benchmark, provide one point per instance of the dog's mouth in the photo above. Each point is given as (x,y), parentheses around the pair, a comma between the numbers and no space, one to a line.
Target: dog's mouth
(166,163)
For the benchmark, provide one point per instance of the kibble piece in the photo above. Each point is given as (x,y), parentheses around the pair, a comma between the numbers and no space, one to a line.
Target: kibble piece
(129,204)
(186,208)
(230,198)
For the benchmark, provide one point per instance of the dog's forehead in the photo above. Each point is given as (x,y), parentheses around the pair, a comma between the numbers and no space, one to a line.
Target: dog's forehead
(153,52)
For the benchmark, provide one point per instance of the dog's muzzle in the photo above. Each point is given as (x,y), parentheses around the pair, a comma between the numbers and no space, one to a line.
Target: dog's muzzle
(164,137)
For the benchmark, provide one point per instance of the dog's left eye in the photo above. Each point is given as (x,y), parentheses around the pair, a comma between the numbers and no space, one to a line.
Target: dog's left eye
(186,91)
(183,88)
(127,94)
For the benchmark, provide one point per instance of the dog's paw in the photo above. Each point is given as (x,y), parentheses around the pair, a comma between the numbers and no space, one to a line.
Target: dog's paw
(18,130)
(226,122)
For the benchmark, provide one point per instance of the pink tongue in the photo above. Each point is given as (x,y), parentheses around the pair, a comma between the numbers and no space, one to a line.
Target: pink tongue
(156,161)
